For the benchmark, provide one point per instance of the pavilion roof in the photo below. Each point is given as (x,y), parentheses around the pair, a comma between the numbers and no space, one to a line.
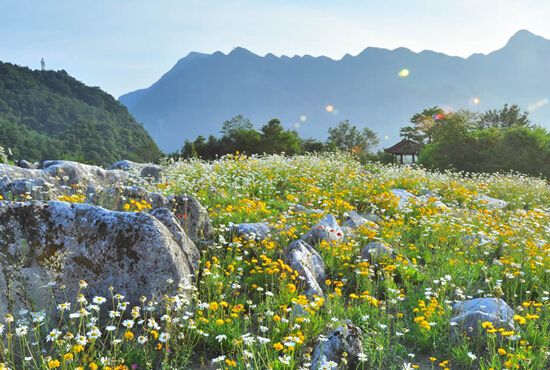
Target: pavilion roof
(405,147)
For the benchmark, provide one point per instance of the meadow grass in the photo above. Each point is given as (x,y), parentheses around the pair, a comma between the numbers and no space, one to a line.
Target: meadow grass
(243,311)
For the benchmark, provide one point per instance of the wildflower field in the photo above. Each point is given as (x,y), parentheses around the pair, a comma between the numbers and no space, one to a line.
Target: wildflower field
(249,309)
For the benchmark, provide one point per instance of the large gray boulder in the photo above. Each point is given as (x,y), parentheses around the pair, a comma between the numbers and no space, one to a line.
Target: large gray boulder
(146,170)
(191,215)
(59,242)
(328,353)
(303,258)
(468,315)
(56,178)
(403,197)
(326,230)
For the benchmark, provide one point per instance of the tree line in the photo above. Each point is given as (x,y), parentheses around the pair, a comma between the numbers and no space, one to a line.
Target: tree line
(238,135)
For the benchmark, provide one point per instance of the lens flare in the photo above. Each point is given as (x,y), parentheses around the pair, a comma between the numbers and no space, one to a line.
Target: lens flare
(303,118)
(537,105)
(297,125)
(476,101)
(329,108)
(403,73)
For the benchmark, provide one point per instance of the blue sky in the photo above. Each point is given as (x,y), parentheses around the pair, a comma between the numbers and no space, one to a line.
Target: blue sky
(123,45)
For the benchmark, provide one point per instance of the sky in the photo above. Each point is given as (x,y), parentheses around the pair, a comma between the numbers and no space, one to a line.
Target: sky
(124,45)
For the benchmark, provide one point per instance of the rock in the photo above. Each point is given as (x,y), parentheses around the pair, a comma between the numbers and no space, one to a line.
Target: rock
(355,220)
(302,257)
(61,178)
(300,208)
(251,231)
(192,216)
(404,197)
(374,252)
(328,354)
(146,170)
(492,203)
(116,197)
(168,219)
(326,230)
(373,218)
(468,315)
(25,164)
(135,253)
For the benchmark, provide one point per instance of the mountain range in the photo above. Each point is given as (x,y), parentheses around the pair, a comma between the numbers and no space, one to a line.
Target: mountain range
(378,88)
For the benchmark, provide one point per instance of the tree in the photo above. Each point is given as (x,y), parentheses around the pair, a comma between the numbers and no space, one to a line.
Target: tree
(424,124)
(506,117)
(275,139)
(346,136)
(237,123)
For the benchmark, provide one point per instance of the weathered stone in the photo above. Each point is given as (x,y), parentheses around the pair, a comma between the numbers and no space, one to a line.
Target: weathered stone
(355,220)
(251,231)
(116,197)
(468,315)
(147,170)
(374,252)
(303,258)
(192,216)
(135,253)
(168,219)
(328,353)
(61,178)
(492,203)
(404,197)
(25,164)
(300,208)
(326,230)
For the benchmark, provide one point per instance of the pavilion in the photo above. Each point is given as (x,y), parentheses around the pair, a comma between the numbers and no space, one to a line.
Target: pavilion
(403,148)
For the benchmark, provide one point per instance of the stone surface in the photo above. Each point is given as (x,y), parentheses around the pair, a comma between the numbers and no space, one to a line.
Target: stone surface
(374,252)
(65,243)
(404,197)
(58,178)
(355,220)
(302,257)
(251,231)
(191,215)
(326,230)
(468,315)
(492,203)
(147,170)
(345,338)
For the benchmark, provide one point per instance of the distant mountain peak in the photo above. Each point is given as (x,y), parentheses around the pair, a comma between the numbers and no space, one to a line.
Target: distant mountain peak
(240,51)
(525,38)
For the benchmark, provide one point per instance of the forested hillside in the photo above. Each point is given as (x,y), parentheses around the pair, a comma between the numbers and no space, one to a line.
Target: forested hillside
(51,115)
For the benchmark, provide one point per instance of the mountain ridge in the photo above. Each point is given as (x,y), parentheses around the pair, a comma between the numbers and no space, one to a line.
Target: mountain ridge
(202,90)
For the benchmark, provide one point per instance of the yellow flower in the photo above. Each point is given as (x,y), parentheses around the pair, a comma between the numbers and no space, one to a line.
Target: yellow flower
(68,356)
(291,287)
(520,319)
(93,366)
(54,364)
(219,322)
(128,335)
(501,351)
(213,306)
(278,346)
(276,318)
(77,348)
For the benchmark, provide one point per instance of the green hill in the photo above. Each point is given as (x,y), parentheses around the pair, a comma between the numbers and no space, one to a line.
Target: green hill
(51,115)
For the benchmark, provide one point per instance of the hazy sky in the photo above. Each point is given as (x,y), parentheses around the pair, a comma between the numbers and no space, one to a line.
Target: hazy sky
(123,45)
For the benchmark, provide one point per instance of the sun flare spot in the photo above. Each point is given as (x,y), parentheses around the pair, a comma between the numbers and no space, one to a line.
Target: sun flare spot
(329,108)
(403,73)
